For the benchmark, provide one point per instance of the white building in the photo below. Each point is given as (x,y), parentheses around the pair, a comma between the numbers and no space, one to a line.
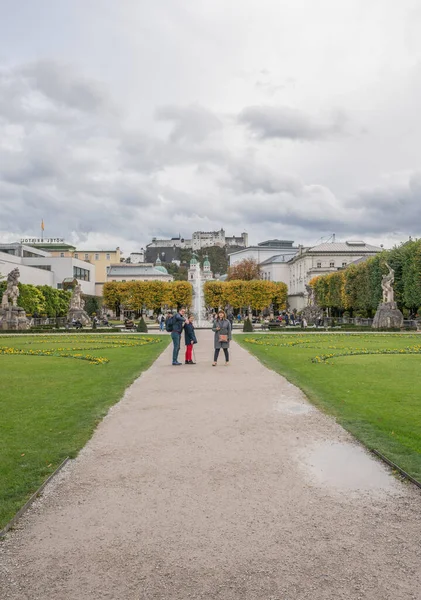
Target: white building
(205,272)
(138,272)
(137,257)
(321,260)
(264,251)
(38,267)
(280,260)
(202,239)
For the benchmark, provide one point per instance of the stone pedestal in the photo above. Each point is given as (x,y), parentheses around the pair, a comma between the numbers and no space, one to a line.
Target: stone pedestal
(79,314)
(13,318)
(388,316)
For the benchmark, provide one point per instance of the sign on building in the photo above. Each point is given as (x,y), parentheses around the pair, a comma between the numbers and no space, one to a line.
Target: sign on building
(42,241)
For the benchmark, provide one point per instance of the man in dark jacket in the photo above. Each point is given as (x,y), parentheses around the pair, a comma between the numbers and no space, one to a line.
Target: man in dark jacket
(177,328)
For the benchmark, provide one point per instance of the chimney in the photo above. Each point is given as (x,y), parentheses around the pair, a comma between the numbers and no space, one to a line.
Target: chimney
(333,238)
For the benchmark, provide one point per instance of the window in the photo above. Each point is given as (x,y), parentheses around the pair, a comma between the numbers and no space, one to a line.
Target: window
(96,256)
(319,265)
(61,254)
(76,255)
(344,264)
(82,274)
(86,256)
(59,286)
(331,264)
(108,256)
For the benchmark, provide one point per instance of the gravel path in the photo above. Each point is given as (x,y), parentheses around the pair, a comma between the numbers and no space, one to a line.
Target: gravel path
(218,483)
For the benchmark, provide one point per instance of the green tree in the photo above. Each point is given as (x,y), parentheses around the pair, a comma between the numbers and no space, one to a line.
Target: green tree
(93,304)
(31,299)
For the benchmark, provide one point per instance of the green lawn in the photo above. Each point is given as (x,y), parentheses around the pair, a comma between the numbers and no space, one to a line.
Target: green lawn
(50,405)
(377,397)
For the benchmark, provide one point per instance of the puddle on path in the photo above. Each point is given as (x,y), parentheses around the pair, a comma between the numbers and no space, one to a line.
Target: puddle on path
(290,407)
(347,467)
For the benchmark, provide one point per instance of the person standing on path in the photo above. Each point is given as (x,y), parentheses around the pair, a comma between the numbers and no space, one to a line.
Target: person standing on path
(177,322)
(223,336)
(190,339)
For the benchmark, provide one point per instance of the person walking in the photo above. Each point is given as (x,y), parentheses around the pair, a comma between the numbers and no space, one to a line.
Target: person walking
(190,339)
(176,327)
(223,336)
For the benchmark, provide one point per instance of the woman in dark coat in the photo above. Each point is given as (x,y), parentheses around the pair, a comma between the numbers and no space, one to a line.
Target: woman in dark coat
(223,336)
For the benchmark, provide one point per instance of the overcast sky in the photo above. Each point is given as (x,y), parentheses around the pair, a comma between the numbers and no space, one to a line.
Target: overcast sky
(124,120)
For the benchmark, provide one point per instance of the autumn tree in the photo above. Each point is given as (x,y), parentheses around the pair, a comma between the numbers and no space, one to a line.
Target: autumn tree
(280,295)
(215,294)
(156,294)
(261,294)
(180,293)
(244,270)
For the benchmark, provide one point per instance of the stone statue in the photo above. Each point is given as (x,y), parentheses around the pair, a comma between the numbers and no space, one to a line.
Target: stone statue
(311,295)
(12,317)
(312,312)
(387,281)
(77,305)
(76,299)
(11,294)
(388,315)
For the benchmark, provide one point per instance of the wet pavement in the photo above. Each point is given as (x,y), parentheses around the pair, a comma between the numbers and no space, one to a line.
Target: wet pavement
(347,467)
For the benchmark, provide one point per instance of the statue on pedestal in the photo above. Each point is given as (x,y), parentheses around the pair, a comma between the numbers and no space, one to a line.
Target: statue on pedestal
(11,294)
(387,282)
(388,315)
(77,305)
(312,312)
(11,315)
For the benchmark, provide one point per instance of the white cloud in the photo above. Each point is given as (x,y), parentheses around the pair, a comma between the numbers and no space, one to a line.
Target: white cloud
(191,116)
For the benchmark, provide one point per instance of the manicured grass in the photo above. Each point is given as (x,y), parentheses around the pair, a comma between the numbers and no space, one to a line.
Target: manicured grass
(50,405)
(377,397)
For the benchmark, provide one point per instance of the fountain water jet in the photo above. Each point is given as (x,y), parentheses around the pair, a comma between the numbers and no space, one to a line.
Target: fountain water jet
(197,278)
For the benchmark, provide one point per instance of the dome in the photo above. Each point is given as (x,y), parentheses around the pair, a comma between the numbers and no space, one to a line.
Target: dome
(193,261)
(158,261)
(161,269)
(206,262)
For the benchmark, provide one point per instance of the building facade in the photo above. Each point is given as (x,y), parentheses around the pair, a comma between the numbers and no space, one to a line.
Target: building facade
(138,272)
(199,240)
(101,259)
(280,260)
(321,260)
(195,268)
(264,251)
(38,267)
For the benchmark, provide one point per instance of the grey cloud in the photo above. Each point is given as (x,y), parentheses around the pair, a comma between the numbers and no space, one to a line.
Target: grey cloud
(49,92)
(62,85)
(192,123)
(246,176)
(268,122)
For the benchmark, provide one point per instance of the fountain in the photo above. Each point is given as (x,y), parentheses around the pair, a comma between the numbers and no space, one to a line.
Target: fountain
(197,277)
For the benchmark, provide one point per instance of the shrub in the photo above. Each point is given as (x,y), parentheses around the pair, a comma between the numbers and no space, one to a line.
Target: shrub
(142,327)
(247,325)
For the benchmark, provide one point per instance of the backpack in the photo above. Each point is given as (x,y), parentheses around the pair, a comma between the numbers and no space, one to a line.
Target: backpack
(169,324)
